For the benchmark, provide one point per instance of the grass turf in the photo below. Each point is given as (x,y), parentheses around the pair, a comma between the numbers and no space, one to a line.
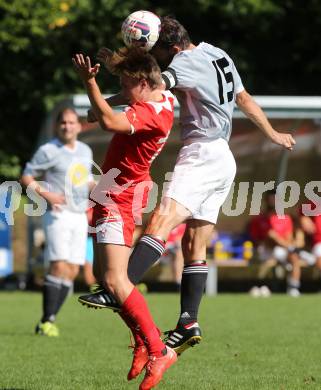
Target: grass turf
(259,344)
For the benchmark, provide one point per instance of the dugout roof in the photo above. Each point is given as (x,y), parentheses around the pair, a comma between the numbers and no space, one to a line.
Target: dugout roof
(273,106)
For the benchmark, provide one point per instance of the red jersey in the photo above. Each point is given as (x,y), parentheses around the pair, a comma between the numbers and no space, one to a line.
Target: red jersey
(133,154)
(262,224)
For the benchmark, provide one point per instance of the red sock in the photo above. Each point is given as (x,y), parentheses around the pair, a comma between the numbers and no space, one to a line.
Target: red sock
(136,309)
(131,325)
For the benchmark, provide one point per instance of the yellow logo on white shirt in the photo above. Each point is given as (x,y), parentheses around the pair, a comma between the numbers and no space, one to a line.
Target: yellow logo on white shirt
(78,174)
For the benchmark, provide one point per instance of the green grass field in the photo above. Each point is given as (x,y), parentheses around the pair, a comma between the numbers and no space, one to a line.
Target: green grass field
(248,344)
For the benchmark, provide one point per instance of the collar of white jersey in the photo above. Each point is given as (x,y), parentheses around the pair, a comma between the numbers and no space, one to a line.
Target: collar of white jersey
(57,141)
(182,52)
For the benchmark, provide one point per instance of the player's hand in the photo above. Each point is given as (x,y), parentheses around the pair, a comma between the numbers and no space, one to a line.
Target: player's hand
(284,139)
(91,116)
(55,200)
(84,68)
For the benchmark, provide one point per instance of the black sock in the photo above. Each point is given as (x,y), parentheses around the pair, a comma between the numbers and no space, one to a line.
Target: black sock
(146,252)
(64,290)
(192,288)
(51,292)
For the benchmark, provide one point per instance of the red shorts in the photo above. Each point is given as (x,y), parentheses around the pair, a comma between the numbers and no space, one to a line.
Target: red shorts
(115,222)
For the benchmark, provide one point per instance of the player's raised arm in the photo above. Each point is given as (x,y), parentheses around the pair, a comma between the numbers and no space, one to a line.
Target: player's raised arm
(113,101)
(107,118)
(116,100)
(254,112)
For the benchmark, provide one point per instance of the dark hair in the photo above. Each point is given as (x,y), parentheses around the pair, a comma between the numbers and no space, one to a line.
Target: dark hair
(62,111)
(134,62)
(172,33)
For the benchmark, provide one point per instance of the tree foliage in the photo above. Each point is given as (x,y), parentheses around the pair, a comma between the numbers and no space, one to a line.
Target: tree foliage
(274,44)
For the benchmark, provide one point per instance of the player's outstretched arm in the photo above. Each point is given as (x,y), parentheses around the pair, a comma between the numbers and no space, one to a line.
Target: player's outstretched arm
(113,101)
(254,112)
(107,118)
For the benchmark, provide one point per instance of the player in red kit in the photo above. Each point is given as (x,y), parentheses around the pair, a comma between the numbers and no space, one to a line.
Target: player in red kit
(141,131)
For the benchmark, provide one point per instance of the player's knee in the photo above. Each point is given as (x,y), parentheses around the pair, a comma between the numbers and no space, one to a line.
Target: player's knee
(157,222)
(73,271)
(58,268)
(163,221)
(159,226)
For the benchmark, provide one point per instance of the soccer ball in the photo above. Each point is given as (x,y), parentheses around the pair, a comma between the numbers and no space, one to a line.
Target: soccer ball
(141,28)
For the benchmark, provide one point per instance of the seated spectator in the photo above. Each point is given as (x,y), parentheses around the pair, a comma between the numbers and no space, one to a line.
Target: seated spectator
(311,225)
(273,237)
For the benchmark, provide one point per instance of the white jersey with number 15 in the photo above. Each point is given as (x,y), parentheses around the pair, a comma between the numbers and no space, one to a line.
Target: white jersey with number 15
(205,82)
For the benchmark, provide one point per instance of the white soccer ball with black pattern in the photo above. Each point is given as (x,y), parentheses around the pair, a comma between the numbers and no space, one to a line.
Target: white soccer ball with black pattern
(141,28)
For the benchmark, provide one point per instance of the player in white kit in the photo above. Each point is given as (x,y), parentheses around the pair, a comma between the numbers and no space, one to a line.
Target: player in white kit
(66,165)
(207,85)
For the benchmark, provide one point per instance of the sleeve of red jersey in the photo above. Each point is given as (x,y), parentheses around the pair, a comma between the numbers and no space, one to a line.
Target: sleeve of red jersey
(142,117)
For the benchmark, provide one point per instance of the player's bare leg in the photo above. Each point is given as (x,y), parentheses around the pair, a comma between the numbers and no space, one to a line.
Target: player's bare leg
(166,216)
(151,246)
(146,252)
(136,315)
(177,266)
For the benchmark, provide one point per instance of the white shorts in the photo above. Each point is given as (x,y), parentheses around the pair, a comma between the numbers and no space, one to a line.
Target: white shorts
(316,250)
(202,177)
(277,253)
(66,236)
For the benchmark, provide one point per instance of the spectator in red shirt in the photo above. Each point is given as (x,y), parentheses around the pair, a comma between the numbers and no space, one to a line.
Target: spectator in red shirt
(273,235)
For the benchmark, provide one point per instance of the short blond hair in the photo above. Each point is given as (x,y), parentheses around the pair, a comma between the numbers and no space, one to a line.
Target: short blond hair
(135,63)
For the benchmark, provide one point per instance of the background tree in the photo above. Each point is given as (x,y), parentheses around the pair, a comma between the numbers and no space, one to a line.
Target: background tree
(275,45)
(37,40)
